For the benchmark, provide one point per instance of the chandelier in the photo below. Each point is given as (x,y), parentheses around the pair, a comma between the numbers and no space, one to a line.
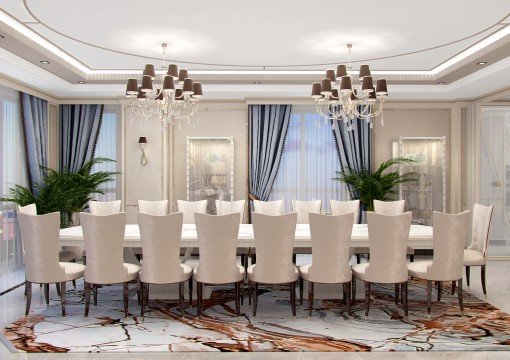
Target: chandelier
(171,102)
(336,97)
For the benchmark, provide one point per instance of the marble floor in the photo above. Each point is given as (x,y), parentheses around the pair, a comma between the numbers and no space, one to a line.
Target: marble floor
(12,306)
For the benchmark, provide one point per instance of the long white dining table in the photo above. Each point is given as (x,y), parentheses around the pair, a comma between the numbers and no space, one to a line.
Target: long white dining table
(420,236)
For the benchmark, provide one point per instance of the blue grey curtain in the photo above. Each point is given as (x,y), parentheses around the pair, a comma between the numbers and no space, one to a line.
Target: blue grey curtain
(79,131)
(268,125)
(34,121)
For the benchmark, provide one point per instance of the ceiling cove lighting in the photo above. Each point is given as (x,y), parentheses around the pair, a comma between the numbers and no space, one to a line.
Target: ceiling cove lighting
(337,97)
(172,101)
(44,62)
(482,63)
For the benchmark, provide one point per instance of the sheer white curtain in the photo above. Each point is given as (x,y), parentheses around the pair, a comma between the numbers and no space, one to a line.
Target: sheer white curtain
(309,161)
(12,171)
(107,148)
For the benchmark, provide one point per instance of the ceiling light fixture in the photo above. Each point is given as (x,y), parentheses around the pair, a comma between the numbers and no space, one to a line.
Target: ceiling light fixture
(44,62)
(2,37)
(441,83)
(350,101)
(81,82)
(166,101)
(482,62)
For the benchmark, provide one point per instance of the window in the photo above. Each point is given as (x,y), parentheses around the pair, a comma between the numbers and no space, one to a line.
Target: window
(309,161)
(107,148)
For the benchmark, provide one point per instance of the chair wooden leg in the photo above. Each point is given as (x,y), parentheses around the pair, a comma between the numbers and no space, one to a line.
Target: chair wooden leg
(190,290)
(145,298)
(255,298)
(454,283)
(293,297)
(181,297)
(125,297)
(47,293)
(429,295)
(405,295)
(353,291)
(199,298)
(367,297)
(301,286)
(349,290)
(95,294)
(439,290)
(468,272)
(411,258)
(63,297)
(238,297)
(74,281)
(142,303)
(461,303)
(28,290)
(482,275)
(57,286)
(358,258)
(294,259)
(87,288)
(310,298)
(397,289)
(250,291)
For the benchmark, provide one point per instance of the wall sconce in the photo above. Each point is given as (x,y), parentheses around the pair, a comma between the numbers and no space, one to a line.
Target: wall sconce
(142,141)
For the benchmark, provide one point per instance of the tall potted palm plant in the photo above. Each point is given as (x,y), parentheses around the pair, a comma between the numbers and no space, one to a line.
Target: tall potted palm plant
(379,185)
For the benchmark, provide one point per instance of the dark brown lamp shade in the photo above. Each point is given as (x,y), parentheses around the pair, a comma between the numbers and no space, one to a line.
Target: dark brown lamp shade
(187,88)
(364,70)
(168,83)
(367,85)
(334,94)
(353,97)
(149,70)
(183,74)
(330,74)
(178,94)
(381,88)
(132,87)
(341,71)
(197,89)
(142,140)
(372,96)
(172,70)
(346,84)
(326,86)
(146,83)
(316,90)
(160,96)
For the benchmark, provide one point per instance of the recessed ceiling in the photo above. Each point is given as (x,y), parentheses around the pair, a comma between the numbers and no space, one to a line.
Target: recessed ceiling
(280,42)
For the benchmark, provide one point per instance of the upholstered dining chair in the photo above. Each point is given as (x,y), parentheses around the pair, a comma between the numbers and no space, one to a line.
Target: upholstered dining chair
(303,208)
(217,241)
(388,236)
(331,236)
(105,207)
(156,208)
(449,238)
(345,207)
(268,207)
(104,241)
(40,237)
(274,241)
(161,242)
(189,208)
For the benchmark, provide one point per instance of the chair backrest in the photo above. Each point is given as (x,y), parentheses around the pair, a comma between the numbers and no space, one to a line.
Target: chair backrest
(388,238)
(29,209)
(482,216)
(217,243)
(190,208)
(231,207)
(103,208)
(344,207)
(450,234)
(153,207)
(268,207)
(274,243)
(161,242)
(389,207)
(40,237)
(303,208)
(331,237)
(104,243)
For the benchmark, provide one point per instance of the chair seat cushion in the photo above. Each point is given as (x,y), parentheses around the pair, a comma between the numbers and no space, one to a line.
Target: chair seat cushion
(473,258)
(359,270)
(169,278)
(207,279)
(333,277)
(276,280)
(73,271)
(418,269)
(66,256)
(132,271)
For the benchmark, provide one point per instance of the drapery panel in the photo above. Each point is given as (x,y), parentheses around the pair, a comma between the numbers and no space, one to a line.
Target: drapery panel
(34,120)
(79,131)
(268,126)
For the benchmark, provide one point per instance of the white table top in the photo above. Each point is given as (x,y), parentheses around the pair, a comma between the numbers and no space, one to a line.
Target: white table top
(420,237)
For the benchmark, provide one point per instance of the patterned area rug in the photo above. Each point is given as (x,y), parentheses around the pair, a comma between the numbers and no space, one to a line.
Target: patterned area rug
(482,327)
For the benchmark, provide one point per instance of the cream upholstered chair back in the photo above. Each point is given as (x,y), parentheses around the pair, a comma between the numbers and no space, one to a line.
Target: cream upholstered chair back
(388,237)
(231,207)
(331,237)
(344,207)
(103,208)
(29,209)
(190,208)
(450,234)
(161,242)
(268,207)
(480,229)
(389,207)
(303,208)
(274,242)
(40,237)
(104,239)
(217,243)
(156,208)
